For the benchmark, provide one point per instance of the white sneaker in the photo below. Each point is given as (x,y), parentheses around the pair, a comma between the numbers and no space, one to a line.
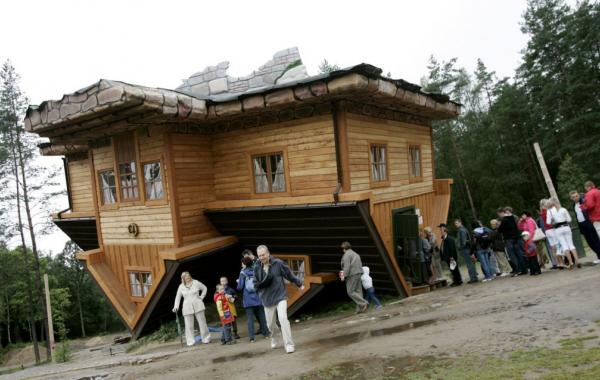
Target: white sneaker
(289,349)
(596,262)
(273,343)
(486,280)
(504,274)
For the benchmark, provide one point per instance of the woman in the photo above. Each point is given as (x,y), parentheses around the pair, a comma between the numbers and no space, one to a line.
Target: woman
(192,307)
(250,299)
(436,260)
(560,218)
(551,239)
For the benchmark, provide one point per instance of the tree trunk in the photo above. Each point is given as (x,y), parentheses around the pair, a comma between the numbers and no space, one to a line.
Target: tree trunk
(78,295)
(36,258)
(7,318)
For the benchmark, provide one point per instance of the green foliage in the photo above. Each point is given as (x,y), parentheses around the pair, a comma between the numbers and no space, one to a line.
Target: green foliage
(570,177)
(165,333)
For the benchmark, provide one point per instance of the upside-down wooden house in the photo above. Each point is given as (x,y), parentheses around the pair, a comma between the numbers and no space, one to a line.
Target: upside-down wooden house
(161,181)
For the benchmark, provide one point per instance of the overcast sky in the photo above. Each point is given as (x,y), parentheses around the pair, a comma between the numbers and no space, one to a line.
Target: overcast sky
(60,46)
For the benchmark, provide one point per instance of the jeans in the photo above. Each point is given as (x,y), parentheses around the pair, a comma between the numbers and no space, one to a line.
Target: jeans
(484,260)
(515,251)
(466,254)
(259,313)
(494,267)
(226,336)
(371,297)
(591,236)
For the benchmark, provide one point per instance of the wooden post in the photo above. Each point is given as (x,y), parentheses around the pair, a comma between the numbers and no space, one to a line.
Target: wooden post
(549,184)
(50,325)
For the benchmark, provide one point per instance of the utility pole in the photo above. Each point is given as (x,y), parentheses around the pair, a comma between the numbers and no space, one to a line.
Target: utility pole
(50,325)
(540,157)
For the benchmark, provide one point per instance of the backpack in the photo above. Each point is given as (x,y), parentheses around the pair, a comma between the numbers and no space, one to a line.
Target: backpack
(249,284)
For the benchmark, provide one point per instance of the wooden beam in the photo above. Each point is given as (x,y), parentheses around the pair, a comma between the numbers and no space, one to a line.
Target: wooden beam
(172,190)
(547,178)
(340,127)
(308,199)
(197,248)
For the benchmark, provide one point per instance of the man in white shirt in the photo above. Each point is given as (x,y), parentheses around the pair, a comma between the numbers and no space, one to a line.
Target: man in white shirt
(585,225)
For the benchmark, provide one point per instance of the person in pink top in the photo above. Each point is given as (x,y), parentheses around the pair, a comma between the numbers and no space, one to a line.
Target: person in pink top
(526,223)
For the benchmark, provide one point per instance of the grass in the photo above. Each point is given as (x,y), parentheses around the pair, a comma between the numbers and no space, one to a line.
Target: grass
(165,333)
(575,359)
(13,346)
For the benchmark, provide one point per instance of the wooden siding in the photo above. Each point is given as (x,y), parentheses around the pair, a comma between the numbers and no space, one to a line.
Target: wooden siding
(398,136)
(310,146)
(82,200)
(191,158)
(154,222)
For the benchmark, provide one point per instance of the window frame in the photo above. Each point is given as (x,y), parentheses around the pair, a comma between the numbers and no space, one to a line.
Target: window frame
(286,172)
(373,183)
(139,271)
(164,199)
(136,153)
(411,177)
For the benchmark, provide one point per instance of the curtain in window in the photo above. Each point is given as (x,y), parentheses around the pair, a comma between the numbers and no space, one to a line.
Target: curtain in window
(153,181)
(260,176)
(108,193)
(136,287)
(279,174)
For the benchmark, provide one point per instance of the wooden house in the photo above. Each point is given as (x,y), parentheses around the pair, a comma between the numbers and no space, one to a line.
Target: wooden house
(162,181)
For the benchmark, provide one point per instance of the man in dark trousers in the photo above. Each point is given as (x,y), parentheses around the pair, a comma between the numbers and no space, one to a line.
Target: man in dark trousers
(463,241)
(351,272)
(449,255)
(585,225)
(512,240)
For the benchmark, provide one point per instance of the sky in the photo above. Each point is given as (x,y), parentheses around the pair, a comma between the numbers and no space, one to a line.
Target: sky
(61,46)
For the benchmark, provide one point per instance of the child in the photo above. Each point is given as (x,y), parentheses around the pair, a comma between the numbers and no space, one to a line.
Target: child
(232,295)
(224,307)
(531,254)
(367,283)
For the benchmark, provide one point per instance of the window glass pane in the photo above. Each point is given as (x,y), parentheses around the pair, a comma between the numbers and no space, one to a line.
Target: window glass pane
(108,187)
(125,149)
(153,181)
(261,181)
(415,161)
(378,163)
(277,173)
(136,288)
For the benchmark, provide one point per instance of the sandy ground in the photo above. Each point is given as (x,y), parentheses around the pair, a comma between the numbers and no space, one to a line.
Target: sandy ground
(484,318)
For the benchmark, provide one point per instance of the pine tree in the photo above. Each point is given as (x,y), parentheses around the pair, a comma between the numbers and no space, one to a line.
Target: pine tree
(571,177)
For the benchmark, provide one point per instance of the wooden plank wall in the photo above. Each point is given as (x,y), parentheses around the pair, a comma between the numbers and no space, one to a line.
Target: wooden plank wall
(193,170)
(398,136)
(80,187)
(310,148)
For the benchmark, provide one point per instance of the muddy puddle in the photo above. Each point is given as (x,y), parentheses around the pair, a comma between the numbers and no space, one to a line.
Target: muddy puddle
(242,355)
(358,336)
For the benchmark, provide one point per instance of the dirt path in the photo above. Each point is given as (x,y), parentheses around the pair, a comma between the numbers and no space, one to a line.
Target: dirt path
(485,318)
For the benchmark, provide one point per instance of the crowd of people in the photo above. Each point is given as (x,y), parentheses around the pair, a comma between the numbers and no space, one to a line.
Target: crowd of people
(516,245)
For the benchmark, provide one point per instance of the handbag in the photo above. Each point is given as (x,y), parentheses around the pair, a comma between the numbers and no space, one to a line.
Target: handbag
(538,234)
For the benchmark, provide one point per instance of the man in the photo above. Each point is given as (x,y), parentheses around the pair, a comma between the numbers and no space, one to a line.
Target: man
(585,225)
(270,273)
(449,255)
(499,249)
(512,240)
(351,272)
(591,204)
(463,240)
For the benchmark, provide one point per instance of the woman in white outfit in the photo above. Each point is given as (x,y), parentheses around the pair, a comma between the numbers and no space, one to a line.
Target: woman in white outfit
(560,218)
(192,307)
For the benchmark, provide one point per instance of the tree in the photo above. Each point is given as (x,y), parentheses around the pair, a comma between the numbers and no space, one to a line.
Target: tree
(325,67)
(571,177)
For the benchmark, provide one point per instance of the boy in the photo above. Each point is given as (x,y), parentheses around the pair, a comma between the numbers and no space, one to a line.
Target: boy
(531,254)
(232,295)
(225,313)
(367,283)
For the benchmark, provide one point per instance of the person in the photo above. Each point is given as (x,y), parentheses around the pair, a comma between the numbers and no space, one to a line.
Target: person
(425,259)
(367,284)
(270,273)
(585,225)
(350,273)
(592,204)
(531,254)
(232,293)
(481,248)
(250,254)
(526,223)
(463,240)
(551,239)
(224,304)
(449,255)
(503,267)
(251,300)
(560,218)
(436,260)
(193,293)
(512,240)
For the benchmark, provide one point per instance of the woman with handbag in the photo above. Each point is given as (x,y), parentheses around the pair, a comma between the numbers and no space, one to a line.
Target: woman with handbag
(193,293)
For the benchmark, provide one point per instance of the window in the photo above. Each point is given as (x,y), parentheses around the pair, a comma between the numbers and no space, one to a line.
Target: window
(108,187)
(414,162)
(378,155)
(140,283)
(125,154)
(269,173)
(153,181)
(296,264)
